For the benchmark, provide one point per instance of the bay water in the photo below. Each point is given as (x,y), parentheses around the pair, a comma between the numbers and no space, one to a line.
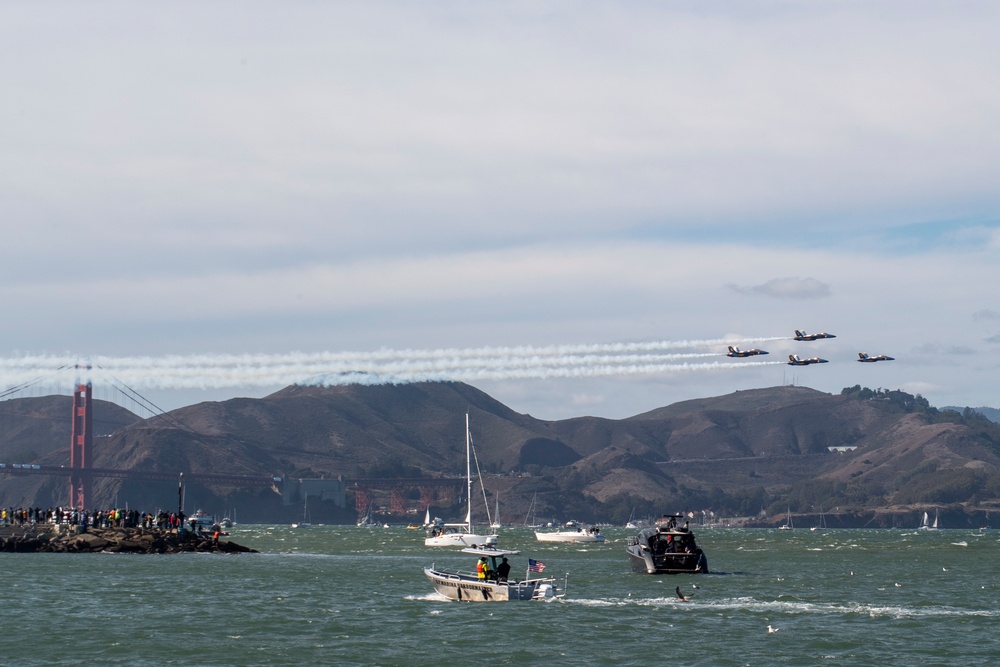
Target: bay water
(343,595)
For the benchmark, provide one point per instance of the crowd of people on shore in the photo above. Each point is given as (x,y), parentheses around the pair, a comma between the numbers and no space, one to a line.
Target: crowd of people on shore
(109,518)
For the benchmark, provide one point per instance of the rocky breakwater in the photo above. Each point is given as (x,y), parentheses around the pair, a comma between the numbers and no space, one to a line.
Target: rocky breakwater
(64,539)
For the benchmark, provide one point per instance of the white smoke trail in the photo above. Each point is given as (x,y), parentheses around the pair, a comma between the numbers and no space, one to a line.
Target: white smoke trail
(382,366)
(538,373)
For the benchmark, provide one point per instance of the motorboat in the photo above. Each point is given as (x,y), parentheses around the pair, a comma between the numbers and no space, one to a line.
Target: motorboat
(571,532)
(441,534)
(468,586)
(201,520)
(666,548)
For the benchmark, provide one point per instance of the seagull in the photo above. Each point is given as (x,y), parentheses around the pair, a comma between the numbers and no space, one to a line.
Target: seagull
(898,585)
(682,597)
(771,630)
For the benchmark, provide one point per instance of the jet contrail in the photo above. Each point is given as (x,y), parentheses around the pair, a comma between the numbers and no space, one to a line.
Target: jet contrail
(384,366)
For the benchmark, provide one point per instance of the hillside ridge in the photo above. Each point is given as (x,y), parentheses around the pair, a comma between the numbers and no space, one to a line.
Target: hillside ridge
(750,453)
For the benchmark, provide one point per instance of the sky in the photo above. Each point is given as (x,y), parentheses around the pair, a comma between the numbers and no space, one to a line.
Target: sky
(572,206)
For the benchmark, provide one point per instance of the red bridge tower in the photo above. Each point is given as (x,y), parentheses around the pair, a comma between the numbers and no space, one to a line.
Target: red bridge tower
(80,445)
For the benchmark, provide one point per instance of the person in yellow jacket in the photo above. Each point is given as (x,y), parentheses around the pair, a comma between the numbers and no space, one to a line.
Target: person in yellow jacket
(483,569)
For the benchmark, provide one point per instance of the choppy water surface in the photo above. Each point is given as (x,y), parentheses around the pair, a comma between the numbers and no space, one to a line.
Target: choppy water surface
(341,595)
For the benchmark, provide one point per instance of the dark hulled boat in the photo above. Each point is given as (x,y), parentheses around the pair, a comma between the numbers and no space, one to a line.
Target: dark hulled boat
(666,548)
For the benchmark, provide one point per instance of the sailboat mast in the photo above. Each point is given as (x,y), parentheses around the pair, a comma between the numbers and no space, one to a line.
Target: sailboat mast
(468,473)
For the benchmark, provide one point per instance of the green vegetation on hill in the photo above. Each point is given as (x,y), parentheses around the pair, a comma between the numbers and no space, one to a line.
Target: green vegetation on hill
(750,453)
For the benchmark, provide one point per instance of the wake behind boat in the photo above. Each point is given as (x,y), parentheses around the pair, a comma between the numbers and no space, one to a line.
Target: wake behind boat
(663,548)
(572,532)
(441,534)
(491,582)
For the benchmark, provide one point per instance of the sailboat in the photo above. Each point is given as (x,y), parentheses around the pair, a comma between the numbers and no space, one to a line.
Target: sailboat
(305,514)
(440,534)
(788,521)
(496,516)
(365,520)
(531,514)
(822,523)
(924,525)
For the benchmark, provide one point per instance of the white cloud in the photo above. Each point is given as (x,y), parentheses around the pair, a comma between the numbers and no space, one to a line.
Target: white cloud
(788,288)
(237,177)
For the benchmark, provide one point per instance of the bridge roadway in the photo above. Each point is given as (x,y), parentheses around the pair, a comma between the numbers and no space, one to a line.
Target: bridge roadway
(228,480)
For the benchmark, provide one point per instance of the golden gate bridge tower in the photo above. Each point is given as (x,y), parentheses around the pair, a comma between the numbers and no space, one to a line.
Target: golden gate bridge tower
(81,442)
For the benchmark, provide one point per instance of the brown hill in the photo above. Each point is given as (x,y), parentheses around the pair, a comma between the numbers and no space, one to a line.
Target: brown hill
(734,454)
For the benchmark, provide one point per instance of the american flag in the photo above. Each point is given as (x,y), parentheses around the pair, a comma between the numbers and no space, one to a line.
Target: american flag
(535,566)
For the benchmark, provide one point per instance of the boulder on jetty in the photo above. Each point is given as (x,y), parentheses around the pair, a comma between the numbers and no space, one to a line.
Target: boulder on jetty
(67,539)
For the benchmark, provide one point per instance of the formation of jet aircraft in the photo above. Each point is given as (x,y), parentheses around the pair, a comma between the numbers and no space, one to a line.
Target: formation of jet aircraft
(802,335)
(793,360)
(863,356)
(737,352)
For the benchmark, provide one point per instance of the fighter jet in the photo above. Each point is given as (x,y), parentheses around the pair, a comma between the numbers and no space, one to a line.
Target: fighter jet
(863,356)
(793,360)
(737,352)
(802,335)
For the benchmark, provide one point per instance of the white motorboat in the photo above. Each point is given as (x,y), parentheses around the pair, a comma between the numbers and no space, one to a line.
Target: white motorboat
(571,532)
(201,521)
(441,534)
(469,586)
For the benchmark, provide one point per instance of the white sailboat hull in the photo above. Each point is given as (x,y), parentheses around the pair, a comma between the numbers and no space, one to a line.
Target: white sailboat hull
(568,536)
(460,540)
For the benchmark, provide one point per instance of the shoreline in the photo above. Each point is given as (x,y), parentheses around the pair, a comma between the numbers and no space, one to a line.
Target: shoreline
(62,538)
